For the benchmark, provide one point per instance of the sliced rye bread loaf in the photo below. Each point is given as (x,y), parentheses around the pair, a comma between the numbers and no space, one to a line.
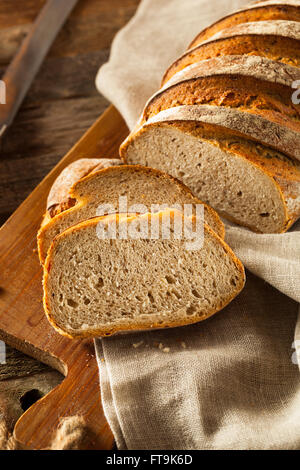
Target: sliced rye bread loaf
(243,180)
(97,287)
(59,198)
(253,84)
(264,11)
(276,40)
(104,187)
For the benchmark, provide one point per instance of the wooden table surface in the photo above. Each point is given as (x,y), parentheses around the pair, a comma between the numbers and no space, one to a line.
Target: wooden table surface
(60,106)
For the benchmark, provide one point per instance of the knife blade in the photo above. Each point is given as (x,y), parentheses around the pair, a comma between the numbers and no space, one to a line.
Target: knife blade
(26,63)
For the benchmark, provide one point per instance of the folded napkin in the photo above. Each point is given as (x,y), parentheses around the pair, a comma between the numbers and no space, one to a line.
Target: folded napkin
(231,382)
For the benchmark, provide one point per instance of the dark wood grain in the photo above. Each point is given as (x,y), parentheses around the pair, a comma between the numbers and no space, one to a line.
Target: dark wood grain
(28,59)
(22,381)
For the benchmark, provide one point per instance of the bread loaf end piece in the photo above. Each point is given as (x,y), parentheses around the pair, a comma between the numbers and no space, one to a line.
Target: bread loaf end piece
(288,10)
(59,198)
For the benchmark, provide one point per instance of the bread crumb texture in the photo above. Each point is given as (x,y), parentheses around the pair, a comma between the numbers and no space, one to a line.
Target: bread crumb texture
(160,282)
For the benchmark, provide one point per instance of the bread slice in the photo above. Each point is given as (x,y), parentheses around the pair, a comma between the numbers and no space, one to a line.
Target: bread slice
(276,40)
(104,187)
(263,11)
(249,83)
(243,180)
(97,286)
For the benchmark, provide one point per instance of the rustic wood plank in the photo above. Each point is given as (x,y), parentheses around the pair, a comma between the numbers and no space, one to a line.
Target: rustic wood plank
(18,394)
(10,41)
(67,77)
(40,137)
(22,381)
(91,27)
(51,125)
(24,11)
(19,11)
(23,323)
(18,365)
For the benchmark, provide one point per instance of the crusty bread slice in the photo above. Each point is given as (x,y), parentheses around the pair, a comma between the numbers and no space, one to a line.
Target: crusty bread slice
(244,181)
(249,83)
(100,286)
(263,11)
(276,40)
(140,185)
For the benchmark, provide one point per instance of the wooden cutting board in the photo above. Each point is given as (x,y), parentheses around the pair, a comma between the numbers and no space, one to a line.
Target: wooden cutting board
(23,324)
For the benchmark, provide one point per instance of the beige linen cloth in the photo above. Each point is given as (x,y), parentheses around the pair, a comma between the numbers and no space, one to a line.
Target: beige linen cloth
(231,382)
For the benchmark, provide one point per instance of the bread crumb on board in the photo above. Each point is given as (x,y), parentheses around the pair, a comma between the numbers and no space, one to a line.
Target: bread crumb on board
(163,349)
(137,345)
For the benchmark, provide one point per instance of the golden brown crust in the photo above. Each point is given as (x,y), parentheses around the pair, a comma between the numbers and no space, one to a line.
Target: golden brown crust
(56,209)
(109,331)
(281,11)
(59,191)
(267,99)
